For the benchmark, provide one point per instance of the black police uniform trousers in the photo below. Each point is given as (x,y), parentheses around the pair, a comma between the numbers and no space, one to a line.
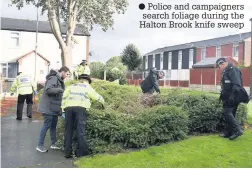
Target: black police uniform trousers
(231,124)
(75,122)
(20,105)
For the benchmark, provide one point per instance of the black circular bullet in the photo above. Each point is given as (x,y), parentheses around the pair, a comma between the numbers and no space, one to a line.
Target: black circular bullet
(141,6)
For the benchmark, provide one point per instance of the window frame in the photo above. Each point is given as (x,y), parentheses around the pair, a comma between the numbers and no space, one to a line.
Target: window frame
(218,50)
(203,50)
(235,45)
(191,53)
(14,35)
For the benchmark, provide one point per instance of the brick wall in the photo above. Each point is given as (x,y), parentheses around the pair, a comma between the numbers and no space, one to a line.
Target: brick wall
(9,106)
(172,83)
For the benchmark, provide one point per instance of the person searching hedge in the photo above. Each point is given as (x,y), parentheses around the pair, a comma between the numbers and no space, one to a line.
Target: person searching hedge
(76,101)
(150,83)
(232,94)
(50,105)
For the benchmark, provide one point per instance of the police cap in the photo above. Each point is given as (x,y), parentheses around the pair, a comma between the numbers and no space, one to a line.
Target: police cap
(220,61)
(85,76)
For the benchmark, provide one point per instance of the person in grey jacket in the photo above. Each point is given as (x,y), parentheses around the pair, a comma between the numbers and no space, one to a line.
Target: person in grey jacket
(151,81)
(50,105)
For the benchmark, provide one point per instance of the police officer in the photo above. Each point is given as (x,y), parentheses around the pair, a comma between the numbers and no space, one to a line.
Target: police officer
(82,67)
(231,96)
(151,81)
(23,83)
(76,101)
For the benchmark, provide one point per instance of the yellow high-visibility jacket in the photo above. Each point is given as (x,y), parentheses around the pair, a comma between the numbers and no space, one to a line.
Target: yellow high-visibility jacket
(24,84)
(80,95)
(82,70)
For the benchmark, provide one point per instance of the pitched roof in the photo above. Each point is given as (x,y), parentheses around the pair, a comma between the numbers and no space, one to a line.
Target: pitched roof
(210,62)
(204,43)
(223,40)
(27,54)
(31,25)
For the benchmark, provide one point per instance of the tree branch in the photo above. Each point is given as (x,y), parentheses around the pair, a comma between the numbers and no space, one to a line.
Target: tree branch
(71,21)
(55,26)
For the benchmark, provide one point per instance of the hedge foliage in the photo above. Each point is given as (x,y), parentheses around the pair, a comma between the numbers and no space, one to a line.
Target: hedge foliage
(134,120)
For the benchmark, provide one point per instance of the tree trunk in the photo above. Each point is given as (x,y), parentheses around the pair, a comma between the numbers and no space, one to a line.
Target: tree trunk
(66,56)
(66,47)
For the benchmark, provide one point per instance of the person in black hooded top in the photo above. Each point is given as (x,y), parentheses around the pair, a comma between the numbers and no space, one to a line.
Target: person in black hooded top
(50,105)
(150,83)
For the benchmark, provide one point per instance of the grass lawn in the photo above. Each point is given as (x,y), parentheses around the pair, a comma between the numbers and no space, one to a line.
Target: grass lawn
(198,151)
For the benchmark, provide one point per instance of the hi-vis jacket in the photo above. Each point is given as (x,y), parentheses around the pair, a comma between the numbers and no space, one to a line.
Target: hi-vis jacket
(82,70)
(23,83)
(80,94)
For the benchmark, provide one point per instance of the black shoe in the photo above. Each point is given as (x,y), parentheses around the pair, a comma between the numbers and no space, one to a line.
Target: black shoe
(18,118)
(235,135)
(224,135)
(29,117)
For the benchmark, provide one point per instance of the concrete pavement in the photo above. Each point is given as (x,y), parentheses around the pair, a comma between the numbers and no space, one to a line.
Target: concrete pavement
(18,146)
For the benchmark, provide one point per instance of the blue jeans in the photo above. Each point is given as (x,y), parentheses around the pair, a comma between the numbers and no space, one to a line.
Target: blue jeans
(50,122)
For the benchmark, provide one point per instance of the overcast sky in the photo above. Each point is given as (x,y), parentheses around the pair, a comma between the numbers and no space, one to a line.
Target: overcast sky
(126,28)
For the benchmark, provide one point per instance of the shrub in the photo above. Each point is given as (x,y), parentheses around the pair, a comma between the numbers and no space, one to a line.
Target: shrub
(134,120)
(97,70)
(112,129)
(204,110)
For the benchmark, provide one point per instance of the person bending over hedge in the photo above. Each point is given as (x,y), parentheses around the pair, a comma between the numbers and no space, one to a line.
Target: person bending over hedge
(75,103)
(150,83)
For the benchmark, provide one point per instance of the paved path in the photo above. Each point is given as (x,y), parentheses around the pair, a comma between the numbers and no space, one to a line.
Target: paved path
(18,146)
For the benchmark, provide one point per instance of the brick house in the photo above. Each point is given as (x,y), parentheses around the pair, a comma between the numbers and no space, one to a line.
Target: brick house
(176,61)
(18,38)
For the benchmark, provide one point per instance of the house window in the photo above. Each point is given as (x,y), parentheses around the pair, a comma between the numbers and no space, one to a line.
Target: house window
(190,58)
(218,51)
(180,56)
(169,60)
(9,70)
(203,53)
(180,59)
(146,62)
(235,50)
(14,40)
(153,60)
(4,69)
(191,55)
(161,61)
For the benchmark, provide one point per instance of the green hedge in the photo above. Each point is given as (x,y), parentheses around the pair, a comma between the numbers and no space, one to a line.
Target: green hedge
(134,120)
(157,125)
(204,110)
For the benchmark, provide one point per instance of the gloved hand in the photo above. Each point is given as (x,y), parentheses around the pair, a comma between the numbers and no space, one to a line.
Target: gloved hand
(12,94)
(103,106)
(63,115)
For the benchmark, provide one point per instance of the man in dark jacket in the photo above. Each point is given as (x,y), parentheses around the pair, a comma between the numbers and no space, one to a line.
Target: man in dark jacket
(150,83)
(50,105)
(232,94)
